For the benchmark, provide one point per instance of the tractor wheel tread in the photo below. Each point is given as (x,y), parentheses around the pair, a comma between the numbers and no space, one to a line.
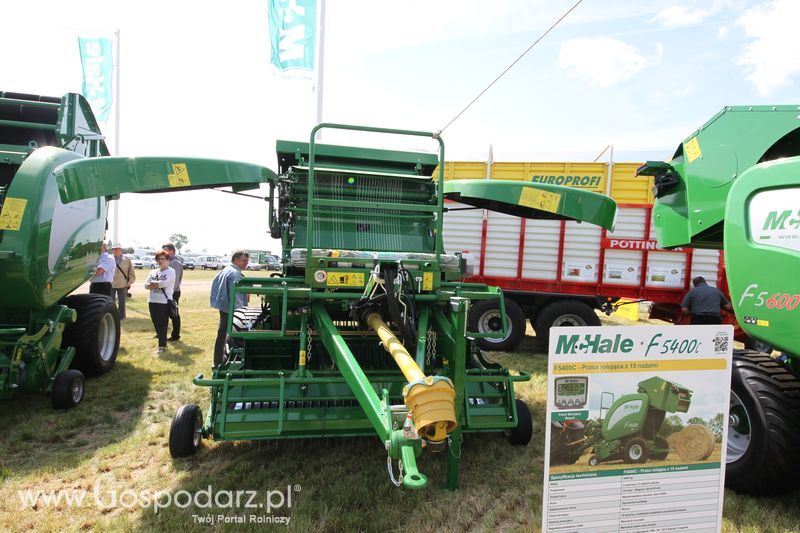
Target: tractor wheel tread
(772,397)
(83,333)
(547,316)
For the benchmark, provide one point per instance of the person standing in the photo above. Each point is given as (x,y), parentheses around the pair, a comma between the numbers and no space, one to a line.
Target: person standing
(221,289)
(124,276)
(176,264)
(100,283)
(704,303)
(160,282)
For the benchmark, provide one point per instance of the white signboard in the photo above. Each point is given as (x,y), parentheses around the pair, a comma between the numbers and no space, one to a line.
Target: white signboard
(637,428)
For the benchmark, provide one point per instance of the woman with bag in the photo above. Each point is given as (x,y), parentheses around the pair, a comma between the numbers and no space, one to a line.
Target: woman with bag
(160,282)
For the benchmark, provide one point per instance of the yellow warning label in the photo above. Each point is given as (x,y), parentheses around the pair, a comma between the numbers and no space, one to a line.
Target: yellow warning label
(13,211)
(345,279)
(655,365)
(764,323)
(541,200)
(302,358)
(692,149)
(179,176)
(427,281)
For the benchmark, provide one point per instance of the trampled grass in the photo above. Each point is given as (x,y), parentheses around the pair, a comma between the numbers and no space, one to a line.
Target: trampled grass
(117,440)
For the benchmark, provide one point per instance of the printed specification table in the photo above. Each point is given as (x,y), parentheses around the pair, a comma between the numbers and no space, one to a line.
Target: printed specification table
(687,498)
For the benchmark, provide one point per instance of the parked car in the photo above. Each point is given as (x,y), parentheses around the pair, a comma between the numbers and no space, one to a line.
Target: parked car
(208,262)
(151,262)
(253,266)
(188,264)
(136,261)
(273,263)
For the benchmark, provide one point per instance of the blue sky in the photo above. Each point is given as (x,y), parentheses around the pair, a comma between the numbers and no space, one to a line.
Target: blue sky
(196,80)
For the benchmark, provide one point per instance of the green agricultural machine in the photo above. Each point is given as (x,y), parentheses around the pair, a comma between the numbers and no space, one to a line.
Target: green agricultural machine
(49,339)
(364,333)
(628,430)
(55,183)
(734,184)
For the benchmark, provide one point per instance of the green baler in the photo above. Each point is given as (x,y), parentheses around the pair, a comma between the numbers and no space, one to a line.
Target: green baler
(364,333)
(52,224)
(735,184)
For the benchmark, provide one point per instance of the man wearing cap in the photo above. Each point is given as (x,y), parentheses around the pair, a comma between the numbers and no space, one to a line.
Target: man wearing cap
(124,276)
(176,264)
(100,283)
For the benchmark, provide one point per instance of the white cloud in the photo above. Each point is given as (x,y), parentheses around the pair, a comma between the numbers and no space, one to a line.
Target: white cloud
(722,32)
(680,16)
(772,57)
(604,61)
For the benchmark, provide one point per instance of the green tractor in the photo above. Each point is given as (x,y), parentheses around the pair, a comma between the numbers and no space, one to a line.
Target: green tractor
(734,184)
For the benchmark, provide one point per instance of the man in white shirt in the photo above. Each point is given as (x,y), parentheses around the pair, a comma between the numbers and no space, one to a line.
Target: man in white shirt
(104,275)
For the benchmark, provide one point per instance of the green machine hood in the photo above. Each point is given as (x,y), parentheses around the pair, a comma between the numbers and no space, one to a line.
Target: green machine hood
(534,200)
(110,176)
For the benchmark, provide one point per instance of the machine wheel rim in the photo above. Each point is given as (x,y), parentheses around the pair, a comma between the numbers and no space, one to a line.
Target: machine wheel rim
(107,337)
(491,321)
(77,390)
(197,435)
(738,430)
(635,452)
(569,320)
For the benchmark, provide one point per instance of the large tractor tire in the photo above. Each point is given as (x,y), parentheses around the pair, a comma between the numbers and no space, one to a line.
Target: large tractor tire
(763,426)
(485,317)
(563,313)
(95,334)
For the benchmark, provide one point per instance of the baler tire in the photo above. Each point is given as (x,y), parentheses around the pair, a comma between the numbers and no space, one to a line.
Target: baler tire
(68,389)
(563,313)
(770,396)
(95,334)
(630,446)
(522,433)
(485,310)
(661,442)
(185,432)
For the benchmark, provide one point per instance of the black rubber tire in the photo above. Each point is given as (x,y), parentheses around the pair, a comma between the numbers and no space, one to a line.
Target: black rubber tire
(522,433)
(628,455)
(184,441)
(594,461)
(757,346)
(98,319)
(516,324)
(770,395)
(568,312)
(660,442)
(68,389)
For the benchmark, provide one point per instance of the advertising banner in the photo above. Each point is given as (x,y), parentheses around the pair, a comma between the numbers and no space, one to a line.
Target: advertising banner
(637,426)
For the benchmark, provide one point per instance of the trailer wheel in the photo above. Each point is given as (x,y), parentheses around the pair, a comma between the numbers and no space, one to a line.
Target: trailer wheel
(67,389)
(594,461)
(485,317)
(522,433)
(635,451)
(186,431)
(561,313)
(95,334)
(763,426)
(661,442)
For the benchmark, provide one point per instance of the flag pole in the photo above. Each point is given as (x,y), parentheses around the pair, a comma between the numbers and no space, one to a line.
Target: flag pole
(116,130)
(320,60)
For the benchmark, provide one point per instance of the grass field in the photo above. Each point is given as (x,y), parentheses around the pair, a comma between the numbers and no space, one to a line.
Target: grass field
(117,440)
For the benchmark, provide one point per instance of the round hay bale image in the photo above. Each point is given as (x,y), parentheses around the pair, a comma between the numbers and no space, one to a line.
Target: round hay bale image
(692,443)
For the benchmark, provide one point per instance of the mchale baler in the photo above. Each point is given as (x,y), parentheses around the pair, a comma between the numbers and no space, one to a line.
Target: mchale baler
(735,184)
(365,332)
(55,182)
